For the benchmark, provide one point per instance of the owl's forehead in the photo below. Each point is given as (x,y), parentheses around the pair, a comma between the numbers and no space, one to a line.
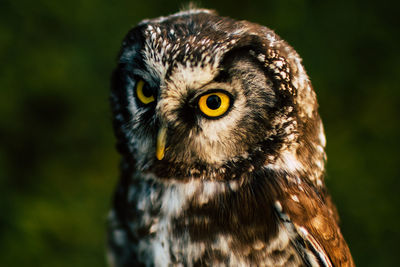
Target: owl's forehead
(170,43)
(190,49)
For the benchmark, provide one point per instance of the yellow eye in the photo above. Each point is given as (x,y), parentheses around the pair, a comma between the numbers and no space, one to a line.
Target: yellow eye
(144,93)
(214,104)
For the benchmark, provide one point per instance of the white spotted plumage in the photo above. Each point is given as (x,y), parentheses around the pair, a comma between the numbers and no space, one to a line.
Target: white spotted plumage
(241,188)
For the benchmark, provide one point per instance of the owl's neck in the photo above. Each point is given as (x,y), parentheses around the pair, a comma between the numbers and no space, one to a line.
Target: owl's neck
(196,206)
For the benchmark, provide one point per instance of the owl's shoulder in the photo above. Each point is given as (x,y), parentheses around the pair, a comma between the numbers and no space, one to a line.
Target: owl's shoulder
(310,213)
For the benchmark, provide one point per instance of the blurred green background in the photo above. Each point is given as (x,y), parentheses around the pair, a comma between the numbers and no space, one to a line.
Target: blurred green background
(58,165)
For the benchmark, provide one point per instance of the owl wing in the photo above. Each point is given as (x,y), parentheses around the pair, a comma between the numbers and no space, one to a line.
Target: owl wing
(311,219)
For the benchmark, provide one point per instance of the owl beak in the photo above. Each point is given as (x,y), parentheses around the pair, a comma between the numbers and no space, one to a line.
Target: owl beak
(161,141)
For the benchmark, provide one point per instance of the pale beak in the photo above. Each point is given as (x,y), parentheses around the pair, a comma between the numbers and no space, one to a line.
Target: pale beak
(161,141)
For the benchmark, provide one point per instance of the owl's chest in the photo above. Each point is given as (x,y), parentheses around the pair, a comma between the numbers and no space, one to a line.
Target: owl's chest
(171,232)
(166,249)
(159,224)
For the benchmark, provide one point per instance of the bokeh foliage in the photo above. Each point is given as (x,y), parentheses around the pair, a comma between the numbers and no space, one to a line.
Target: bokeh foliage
(58,165)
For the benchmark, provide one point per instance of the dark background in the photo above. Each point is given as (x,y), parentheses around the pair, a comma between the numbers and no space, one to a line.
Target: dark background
(58,165)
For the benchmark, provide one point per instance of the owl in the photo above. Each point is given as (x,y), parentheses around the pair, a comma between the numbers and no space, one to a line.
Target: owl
(223,150)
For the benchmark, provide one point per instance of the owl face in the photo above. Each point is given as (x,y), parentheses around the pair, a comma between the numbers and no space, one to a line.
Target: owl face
(198,95)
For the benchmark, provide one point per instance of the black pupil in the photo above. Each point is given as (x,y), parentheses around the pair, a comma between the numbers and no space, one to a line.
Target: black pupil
(213,102)
(147,91)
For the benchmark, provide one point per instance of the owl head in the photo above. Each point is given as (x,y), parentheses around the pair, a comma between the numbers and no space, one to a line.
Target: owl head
(197,95)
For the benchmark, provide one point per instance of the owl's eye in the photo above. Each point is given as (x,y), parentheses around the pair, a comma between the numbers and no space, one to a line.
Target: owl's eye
(214,104)
(144,93)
